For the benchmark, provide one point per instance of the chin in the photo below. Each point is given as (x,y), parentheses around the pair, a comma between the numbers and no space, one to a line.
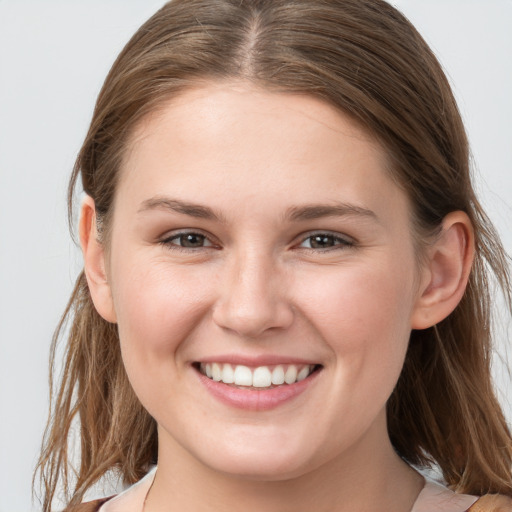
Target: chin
(259,463)
(259,471)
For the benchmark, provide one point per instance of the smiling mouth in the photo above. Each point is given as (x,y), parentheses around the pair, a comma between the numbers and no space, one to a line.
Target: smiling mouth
(258,378)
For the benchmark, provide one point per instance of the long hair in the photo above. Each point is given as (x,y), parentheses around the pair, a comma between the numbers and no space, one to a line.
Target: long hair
(364,58)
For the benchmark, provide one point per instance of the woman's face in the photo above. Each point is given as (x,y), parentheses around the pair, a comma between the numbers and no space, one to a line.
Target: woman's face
(257,237)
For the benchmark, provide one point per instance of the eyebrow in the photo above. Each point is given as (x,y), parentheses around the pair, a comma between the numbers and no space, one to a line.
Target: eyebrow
(185,208)
(293,214)
(317,211)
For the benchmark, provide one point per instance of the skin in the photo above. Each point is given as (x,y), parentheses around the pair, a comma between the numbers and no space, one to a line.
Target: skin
(257,287)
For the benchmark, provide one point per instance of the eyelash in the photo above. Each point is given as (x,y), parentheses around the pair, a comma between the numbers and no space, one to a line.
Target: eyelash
(340,242)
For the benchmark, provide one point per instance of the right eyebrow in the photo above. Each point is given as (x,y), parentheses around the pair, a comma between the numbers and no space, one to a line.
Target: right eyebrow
(183,207)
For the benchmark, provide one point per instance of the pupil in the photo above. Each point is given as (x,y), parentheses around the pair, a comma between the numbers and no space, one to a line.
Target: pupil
(319,241)
(192,240)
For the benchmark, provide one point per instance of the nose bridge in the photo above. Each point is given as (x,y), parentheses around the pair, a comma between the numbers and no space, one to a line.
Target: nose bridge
(252,298)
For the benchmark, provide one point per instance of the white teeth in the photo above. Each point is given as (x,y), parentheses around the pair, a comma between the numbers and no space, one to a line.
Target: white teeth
(291,374)
(243,376)
(260,377)
(228,375)
(278,376)
(216,372)
(303,373)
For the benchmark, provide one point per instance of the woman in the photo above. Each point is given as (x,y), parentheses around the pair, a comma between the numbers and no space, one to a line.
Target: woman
(285,299)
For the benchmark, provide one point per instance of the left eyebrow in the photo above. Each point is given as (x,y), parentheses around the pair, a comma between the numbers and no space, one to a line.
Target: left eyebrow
(317,211)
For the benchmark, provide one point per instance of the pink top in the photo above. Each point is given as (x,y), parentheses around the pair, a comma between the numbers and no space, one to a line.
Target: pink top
(437,498)
(433,498)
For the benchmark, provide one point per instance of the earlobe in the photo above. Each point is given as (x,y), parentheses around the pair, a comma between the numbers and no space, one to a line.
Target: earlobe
(447,271)
(94,262)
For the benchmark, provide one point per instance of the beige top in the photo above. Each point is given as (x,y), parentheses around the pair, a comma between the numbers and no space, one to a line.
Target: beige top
(437,498)
(433,498)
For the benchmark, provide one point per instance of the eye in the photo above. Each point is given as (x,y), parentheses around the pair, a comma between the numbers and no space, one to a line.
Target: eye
(187,240)
(325,241)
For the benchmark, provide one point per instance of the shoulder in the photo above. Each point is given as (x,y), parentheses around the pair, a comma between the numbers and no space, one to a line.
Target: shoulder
(492,503)
(130,500)
(436,497)
(91,506)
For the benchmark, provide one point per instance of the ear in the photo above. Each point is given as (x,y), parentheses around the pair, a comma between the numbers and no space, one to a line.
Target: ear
(94,262)
(446,272)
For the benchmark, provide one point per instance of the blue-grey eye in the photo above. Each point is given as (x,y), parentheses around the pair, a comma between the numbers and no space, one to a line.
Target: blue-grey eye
(190,240)
(323,241)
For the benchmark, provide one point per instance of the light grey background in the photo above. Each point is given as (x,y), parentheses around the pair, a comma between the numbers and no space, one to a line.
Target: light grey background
(54,56)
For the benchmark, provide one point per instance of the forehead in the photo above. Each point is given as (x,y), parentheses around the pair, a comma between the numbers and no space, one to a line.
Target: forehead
(222,141)
(216,107)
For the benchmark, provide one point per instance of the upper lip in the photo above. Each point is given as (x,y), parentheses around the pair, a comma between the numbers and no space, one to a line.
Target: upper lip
(255,361)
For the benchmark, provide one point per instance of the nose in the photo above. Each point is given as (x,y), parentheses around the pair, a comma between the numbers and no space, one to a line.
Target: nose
(252,298)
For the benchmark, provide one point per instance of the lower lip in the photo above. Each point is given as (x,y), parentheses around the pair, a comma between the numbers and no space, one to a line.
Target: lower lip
(256,400)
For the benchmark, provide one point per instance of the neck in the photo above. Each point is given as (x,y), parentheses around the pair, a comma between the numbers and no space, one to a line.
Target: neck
(369,477)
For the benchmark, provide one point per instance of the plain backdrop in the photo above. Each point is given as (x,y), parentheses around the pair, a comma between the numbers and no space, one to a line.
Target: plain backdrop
(54,56)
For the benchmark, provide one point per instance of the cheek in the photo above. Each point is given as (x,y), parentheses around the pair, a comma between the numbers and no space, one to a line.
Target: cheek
(363,314)
(364,299)
(157,307)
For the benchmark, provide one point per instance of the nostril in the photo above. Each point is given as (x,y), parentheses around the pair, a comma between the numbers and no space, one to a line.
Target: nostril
(251,321)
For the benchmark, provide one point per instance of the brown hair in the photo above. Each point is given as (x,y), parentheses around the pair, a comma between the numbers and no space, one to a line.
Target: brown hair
(364,58)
